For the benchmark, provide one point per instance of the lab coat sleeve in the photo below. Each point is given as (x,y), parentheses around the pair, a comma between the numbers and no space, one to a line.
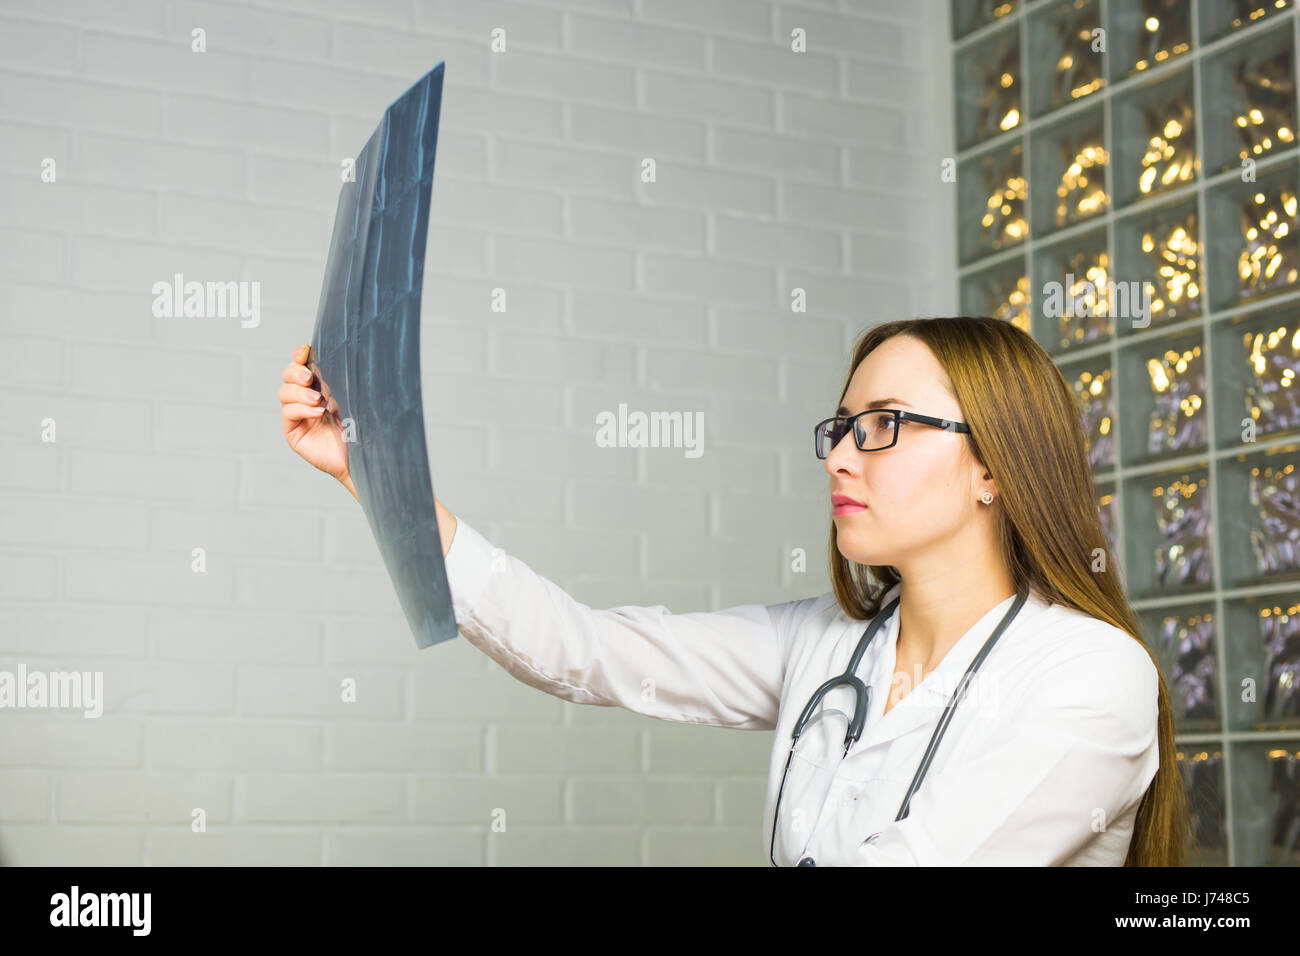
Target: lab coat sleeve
(722,667)
(1077,751)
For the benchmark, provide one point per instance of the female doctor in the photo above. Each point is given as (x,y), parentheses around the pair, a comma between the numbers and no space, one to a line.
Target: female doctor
(973,691)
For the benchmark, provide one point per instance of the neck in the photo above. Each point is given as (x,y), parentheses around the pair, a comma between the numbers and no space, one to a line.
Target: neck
(941,598)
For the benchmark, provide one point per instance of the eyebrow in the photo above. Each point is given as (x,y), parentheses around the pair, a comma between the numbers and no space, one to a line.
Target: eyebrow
(878,403)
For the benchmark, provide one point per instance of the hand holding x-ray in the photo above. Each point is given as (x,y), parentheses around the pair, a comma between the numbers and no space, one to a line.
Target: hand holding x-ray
(352,399)
(312,425)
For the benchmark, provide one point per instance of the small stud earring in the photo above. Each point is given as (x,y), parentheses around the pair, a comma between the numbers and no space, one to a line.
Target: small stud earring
(987,497)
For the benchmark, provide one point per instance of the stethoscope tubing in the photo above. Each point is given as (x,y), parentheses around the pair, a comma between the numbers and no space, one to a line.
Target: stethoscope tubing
(862,692)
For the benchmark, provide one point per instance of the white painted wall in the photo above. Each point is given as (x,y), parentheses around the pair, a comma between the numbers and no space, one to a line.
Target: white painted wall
(774,171)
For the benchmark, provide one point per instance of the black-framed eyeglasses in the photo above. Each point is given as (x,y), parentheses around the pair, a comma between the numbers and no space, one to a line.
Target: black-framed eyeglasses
(874,429)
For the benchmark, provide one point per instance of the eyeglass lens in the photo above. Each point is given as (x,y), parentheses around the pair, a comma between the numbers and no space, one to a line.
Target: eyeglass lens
(874,430)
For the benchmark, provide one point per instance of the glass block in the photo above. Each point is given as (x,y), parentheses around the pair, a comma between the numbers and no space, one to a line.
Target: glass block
(1248,100)
(1264,662)
(1065,54)
(1108,508)
(1256,363)
(986,79)
(969,15)
(1221,17)
(1164,388)
(1155,138)
(1147,33)
(1182,639)
(1161,250)
(1266,803)
(1068,172)
(992,191)
(1251,227)
(1259,495)
(1167,520)
(1074,280)
(1001,291)
(1091,382)
(1202,773)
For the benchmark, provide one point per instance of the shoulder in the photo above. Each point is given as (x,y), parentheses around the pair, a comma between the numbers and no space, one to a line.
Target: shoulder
(1071,659)
(807,619)
(793,617)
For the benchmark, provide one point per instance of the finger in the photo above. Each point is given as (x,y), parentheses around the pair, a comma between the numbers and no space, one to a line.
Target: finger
(296,411)
(298,393)
(306,358)
(296,372)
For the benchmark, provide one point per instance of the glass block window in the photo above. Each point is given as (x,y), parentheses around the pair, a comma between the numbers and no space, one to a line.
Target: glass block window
(1128,191)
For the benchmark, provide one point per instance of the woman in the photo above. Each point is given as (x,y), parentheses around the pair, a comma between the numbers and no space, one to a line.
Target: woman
(1004,710)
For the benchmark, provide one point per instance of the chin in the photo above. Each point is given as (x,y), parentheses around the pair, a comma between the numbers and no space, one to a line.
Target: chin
(861,555)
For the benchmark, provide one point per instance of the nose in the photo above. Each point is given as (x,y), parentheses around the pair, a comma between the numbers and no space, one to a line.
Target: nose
(844,458)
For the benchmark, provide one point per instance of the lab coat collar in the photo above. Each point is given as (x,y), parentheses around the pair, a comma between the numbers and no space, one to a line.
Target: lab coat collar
(924,703)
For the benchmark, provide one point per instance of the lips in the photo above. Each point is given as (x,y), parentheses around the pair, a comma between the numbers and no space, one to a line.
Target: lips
(846,500)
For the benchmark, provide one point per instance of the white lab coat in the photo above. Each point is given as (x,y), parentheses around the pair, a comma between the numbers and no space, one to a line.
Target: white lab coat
(1043,763)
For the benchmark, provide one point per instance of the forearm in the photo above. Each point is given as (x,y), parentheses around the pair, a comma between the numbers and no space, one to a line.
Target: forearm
(446,520)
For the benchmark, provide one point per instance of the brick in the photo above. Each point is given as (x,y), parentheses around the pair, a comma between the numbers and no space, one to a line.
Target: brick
(162,798)
(53,845)
(25,796)
(737,17)
(65,740)
(616,799)
(569,76)
(206,744)
(373,745)
(639,133)
(318,798)
(619,39)
(250,29)
(242,846)
(565,846)
(776,65)
(740,104)
(404,846)
(307,691)
(32,255)
(43,46)
(171,64)
(474,800)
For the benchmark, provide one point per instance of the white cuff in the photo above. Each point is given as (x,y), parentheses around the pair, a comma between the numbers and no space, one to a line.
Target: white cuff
(469,563)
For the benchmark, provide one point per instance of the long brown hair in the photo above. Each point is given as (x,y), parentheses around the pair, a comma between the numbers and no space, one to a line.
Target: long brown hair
(1027,431)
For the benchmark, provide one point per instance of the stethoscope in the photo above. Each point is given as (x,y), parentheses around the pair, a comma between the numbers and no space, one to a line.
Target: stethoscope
(863,702)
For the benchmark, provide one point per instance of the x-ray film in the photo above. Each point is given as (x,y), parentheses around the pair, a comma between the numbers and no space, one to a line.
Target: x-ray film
(366,349)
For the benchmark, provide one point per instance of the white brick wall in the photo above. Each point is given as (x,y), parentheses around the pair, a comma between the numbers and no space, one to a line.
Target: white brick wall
(222,689)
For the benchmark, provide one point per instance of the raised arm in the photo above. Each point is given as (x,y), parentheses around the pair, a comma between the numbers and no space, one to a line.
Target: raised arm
(719,667)
(709,667)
